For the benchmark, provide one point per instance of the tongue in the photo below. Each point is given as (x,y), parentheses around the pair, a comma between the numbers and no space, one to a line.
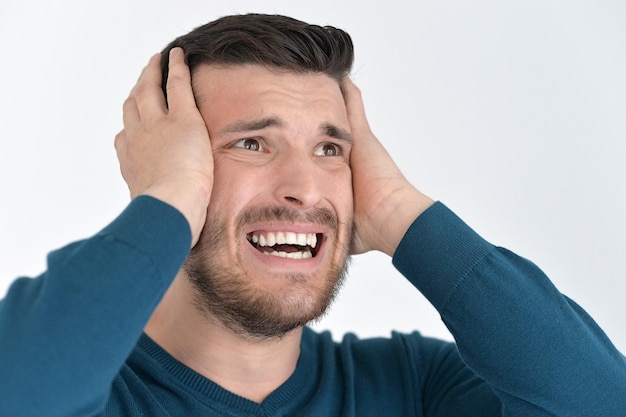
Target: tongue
(281,248)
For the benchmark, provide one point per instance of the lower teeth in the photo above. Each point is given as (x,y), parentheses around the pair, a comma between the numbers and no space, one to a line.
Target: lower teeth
(291,255)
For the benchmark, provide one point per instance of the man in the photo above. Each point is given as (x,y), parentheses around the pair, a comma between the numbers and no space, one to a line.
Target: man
(262,160)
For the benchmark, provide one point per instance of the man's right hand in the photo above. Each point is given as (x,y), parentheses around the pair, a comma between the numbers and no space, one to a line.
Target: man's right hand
(164,149)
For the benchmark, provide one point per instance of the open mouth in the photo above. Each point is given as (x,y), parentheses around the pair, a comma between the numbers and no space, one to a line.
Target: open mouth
(286,244)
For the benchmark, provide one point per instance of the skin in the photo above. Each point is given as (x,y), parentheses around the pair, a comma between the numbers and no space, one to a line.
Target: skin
(168,154)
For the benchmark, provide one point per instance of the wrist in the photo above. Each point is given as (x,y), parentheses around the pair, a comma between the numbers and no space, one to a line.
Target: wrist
(191,198)
(403,210)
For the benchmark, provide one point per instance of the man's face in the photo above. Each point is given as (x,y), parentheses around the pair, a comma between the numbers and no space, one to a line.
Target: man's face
(278,230)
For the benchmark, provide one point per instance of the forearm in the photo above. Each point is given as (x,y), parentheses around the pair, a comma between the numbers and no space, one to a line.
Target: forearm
(64,335)
(539,351)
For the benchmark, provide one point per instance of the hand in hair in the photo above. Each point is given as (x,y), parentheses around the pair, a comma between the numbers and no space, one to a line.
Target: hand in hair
(164,149)
(385,203)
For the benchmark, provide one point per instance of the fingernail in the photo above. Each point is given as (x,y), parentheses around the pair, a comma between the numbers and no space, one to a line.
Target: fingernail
(175,51)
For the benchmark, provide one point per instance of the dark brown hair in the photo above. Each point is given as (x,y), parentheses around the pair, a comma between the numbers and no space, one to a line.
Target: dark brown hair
(271,41)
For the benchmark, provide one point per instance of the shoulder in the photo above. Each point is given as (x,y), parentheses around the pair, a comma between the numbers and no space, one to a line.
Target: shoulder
(411,357)
(405,370)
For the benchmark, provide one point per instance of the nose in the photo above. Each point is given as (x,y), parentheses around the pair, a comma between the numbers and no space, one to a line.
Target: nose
(297,182)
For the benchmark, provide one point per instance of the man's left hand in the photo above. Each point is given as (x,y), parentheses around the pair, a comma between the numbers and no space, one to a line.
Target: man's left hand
(385,203)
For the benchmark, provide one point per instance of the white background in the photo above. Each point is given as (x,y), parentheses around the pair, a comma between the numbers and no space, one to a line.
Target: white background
(512,113)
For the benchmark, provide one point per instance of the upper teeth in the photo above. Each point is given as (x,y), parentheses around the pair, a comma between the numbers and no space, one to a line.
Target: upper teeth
(284,238)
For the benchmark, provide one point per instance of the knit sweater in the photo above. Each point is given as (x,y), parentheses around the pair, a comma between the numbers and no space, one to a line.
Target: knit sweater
(71,341)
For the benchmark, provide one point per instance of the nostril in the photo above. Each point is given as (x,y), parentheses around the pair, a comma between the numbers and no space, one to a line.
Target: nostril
(293,200)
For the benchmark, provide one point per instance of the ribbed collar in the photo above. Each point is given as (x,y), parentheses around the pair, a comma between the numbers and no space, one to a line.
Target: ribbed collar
(160,366)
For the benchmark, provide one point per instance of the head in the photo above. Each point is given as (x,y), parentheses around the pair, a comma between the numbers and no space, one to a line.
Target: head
(274,249)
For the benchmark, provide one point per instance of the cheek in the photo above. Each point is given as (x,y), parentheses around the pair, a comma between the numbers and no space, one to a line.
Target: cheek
(339,192)
(235,186)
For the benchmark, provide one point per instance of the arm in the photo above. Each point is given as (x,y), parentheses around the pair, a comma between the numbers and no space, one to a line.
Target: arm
(540,352)
(65,335)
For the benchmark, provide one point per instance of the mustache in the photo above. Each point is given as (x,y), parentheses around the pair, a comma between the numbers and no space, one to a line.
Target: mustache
(321,216)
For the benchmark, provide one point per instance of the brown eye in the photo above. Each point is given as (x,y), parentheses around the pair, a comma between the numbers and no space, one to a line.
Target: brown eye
(328,149)
(250,144)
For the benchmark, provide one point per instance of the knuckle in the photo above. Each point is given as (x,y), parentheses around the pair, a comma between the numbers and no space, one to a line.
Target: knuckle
(130,101)
(119,139)
(178,75)
(140,91)
(174,81)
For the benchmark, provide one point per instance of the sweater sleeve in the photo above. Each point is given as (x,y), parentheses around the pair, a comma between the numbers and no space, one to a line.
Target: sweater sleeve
(65,334)
(539,351)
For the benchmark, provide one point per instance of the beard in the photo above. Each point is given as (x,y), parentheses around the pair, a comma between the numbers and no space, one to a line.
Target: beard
(229,293)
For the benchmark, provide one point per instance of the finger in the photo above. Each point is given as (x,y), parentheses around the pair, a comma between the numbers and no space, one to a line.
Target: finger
(368,144)
(147,93)
(179,92)
(130,113)
(120,145)
(354,105)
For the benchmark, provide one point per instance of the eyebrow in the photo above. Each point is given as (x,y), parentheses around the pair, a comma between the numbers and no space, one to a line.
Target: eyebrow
(242,126)
(336,132)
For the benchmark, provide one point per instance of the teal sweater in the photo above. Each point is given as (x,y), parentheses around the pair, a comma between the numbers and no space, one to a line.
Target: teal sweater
(71,341)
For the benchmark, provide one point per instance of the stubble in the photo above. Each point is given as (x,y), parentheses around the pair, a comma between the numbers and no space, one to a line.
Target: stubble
(229,294)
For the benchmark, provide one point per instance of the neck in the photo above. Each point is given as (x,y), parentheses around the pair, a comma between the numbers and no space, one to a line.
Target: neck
(248,367)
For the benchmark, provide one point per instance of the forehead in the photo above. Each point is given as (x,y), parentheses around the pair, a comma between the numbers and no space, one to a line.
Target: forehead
(254,91)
